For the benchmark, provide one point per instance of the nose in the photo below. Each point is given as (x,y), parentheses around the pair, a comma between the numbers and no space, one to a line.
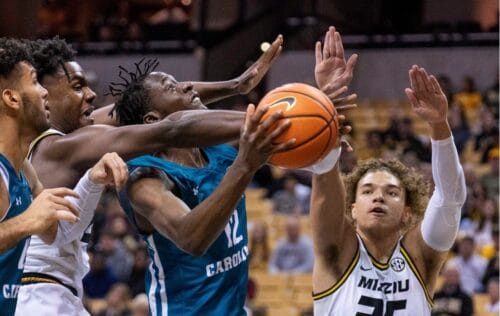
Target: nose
(186,87)
(44,92)
(90,95)
(378,196)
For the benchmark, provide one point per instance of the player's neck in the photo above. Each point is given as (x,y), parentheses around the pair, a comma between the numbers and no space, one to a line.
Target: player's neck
(380,246)
(190,157)
(14,142)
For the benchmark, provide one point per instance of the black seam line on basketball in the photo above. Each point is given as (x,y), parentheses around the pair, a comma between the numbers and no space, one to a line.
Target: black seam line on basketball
(307,95)
(311,137)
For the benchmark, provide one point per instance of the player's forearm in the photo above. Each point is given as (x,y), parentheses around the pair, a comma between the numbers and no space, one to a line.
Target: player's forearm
(442,217)
(12,231)
(206,221)
(214,91)
(327,206)
(202,128)
(90,194)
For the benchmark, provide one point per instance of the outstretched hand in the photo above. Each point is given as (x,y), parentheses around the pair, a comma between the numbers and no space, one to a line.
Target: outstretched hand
(258,137)
(110,169)
(332,71)
(254,74)
(426,97)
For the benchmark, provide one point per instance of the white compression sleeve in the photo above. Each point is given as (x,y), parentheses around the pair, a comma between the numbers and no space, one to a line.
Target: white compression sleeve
(89,193)
(442,217)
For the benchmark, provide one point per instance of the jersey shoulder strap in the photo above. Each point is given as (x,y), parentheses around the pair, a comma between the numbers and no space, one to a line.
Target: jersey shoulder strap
(35,142)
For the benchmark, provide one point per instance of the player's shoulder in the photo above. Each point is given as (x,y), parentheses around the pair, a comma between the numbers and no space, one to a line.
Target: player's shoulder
(149,172)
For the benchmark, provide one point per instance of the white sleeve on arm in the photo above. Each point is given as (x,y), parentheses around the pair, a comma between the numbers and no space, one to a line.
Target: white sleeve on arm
(442,217)
(90,194)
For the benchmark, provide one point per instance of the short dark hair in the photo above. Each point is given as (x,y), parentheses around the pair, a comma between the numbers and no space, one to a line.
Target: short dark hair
(49,54)
(132,98)
(12,52)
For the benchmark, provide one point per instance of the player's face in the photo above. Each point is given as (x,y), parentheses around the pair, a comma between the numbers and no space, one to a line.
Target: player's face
(168,96)
(70,98)
(34,100)
(380,202)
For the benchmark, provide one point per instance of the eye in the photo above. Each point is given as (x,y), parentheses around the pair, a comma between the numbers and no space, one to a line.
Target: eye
(393,194)
(77,86)
(366,192)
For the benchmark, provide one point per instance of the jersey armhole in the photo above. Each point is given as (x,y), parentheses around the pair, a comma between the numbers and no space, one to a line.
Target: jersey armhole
(417,274)
(342,279)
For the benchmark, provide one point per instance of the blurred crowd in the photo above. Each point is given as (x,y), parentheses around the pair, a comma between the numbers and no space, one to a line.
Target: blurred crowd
(118,20)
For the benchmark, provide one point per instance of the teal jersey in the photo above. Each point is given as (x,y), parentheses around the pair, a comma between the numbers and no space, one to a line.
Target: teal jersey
(12,260)
(181,284)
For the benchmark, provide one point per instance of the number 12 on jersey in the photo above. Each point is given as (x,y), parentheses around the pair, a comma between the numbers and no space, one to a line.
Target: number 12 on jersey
(231,231)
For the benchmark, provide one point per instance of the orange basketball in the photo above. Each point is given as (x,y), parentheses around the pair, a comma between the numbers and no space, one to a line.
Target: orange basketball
(313,119)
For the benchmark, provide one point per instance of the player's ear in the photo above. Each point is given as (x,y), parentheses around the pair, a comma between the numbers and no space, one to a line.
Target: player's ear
(151,117)
(11,98)
(353,211)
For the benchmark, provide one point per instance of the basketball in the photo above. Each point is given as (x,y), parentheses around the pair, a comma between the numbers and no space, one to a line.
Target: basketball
(313,119)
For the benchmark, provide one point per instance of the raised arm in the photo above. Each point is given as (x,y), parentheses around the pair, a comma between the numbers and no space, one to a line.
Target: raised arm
(181,129)
(432,239)
(152,195)
(213,91)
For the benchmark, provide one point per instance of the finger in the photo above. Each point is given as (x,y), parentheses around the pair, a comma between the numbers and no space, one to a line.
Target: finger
(326,54)
(435,85)
(351,99)
(351,62)
(65,204)
(413,80)
(420,81)
(289,144)
(342,108)
(346,145)
(426,80)
(339,48)
(62,192)
(63,215)
(256,117)
(346,129)
(118,172)
(270,121)
(248,115)
(337,92)
(317,52)
(411,96)
(331,44)
(271,137)
(273,51)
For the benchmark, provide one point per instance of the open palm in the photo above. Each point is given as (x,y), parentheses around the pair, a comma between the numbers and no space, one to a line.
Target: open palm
(426,96)
(331,70)
(254,74)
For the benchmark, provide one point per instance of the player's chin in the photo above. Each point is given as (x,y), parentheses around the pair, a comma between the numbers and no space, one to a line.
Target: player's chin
(86,120)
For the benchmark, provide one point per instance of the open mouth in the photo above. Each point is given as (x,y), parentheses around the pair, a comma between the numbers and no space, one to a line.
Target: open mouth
(88,111)
(378,210)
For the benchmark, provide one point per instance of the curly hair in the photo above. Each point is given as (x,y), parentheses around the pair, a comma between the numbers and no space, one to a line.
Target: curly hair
(50,54)
(133,99)
(12,52)
(416,188)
